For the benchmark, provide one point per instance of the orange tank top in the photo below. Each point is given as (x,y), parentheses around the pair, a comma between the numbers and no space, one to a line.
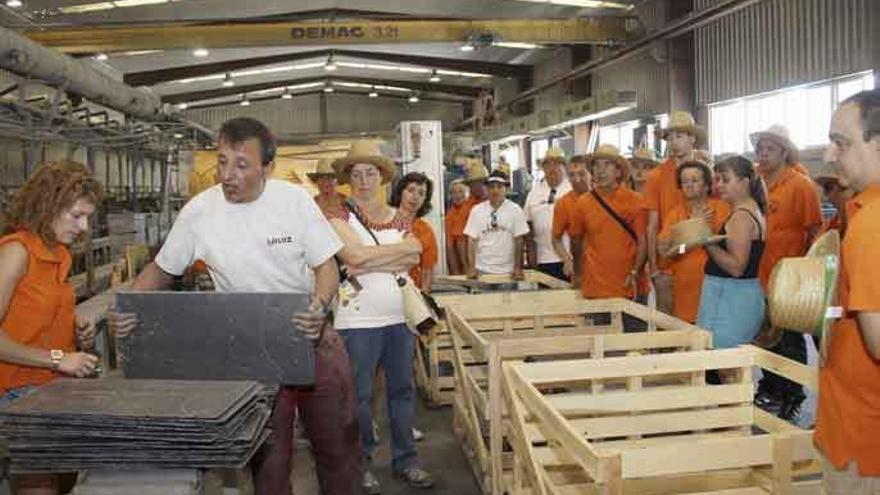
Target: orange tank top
(41,311)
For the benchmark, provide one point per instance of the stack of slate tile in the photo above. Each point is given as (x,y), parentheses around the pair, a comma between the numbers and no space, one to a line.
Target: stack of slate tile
(69,425)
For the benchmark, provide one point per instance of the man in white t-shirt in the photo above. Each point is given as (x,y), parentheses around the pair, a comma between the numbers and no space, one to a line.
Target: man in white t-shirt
(539,212)
(496,229)
(257,234)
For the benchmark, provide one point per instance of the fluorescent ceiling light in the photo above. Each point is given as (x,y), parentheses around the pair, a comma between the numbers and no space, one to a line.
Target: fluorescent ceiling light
(88,7)
(183,106)
(467,47)
(330,66)
(373,94)
(14,3)
(134,53)
(591,4)
(586,118)
(136,3)
(413,99)
(288,88)
(517,45)
(245,102)
(178,135)
(201,52)
(101,56)
(435,78)
(286,95)
(228,82)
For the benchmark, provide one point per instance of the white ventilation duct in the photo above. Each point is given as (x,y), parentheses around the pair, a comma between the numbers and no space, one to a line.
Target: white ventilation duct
(27,58)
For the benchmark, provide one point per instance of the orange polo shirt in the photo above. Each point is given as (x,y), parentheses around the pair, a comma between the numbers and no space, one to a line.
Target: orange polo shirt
(848,422)
(792,210)
(661,188)
(608,250)
(801,169)
(41,310)
(563,212)
(428,259)
(687,269)
(457,217)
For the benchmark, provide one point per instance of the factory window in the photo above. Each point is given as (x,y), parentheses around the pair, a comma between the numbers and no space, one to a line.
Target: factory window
(805,110)
(628,136)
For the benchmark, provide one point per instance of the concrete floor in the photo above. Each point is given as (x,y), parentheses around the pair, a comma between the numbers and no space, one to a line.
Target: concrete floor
(439,453)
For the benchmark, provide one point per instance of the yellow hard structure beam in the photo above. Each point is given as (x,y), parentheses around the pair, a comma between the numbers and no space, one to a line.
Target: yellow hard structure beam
(184,36)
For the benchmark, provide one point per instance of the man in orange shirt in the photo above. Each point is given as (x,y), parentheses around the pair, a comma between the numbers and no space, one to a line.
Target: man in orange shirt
(609,224)
(581,181)
(848,424)
(793,219)
(455,220)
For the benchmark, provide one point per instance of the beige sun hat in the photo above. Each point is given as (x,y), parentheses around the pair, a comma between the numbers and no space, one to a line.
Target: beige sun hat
(779,135)
(476,172)
(554,154)
(802,289)
(691,233)
(826,173)
(644,154)
(681,121)
(364,151)
(324,168)
(610,152)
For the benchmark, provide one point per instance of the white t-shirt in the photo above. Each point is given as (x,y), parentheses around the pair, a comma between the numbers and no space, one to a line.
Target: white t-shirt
(495,244)
(379,303)
(540,212)
(267,245)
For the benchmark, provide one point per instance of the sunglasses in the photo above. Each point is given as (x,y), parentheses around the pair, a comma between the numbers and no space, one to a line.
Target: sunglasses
(494,220)
(552,197)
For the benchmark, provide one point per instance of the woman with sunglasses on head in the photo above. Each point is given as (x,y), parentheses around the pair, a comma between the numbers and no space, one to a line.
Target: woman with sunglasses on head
(412,196)
(732,301)
(39,328)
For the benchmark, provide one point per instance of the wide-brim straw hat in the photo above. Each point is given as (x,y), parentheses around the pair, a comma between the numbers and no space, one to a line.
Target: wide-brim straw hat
(610,152)
(324,168)
(691,233)
(802,289)
(779,135)
(364,151)
(476,172)
(826,173)
(681,121)
(644,154)
(553,155)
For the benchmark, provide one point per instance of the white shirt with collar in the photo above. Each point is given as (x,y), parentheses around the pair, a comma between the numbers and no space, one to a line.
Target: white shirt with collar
(267,245)
(495,243)
(539,211)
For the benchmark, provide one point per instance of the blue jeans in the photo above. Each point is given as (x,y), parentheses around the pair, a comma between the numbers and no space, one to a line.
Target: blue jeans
(393,347)
(732,309)
(14,394)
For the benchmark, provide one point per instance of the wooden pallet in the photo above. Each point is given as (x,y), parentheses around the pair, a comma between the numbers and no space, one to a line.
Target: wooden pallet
(482,310)
(552,333)
(614,431)
(541,280)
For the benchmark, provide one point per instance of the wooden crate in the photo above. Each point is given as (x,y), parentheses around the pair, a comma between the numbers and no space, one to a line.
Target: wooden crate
(613,431)
(539,279)
(483,310)
(480,344)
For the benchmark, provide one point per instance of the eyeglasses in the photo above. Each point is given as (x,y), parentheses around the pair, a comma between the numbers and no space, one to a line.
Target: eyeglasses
(494,220)
(552,197)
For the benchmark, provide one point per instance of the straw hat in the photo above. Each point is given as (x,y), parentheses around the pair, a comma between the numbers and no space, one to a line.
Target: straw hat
(802,289)
(323,169)
(644,154)
(554,154)
(691,233)
(779,135)
(364,151)
(476,172)
(681,121)
(610,152)
(826,174)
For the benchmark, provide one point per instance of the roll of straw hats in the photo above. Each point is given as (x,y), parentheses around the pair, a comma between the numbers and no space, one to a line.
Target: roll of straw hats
(691,233)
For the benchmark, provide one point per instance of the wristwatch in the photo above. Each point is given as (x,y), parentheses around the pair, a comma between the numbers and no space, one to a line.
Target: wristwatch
(56,355)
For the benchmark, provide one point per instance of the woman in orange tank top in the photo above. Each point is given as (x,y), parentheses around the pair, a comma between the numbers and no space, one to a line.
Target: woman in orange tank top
(39,330)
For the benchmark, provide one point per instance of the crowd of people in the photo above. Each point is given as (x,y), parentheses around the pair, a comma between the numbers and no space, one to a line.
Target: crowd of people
(610,225)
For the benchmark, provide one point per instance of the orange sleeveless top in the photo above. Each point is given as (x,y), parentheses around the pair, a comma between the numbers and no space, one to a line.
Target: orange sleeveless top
(41,311)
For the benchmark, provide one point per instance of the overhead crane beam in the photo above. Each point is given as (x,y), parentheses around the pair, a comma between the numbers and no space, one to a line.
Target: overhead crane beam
(188,36)
(152,77)
(463,91)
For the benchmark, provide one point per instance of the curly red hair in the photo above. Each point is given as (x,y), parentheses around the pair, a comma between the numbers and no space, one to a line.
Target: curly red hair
(48,193)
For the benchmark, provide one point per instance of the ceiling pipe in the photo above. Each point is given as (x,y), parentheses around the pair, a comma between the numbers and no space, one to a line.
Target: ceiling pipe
(27,58)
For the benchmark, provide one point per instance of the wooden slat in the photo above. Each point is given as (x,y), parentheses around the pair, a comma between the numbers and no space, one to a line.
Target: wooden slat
(653,399)
(807,376)
(657,364)
(667,422)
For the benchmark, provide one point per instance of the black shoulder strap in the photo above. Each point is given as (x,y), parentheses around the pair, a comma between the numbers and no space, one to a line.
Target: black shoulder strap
(754,219)
(353,209)
(616,217)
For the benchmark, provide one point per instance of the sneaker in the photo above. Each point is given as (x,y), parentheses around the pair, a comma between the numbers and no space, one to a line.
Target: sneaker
(791,407)
(415,477)
(375,431)
(371,483)
(418,435)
